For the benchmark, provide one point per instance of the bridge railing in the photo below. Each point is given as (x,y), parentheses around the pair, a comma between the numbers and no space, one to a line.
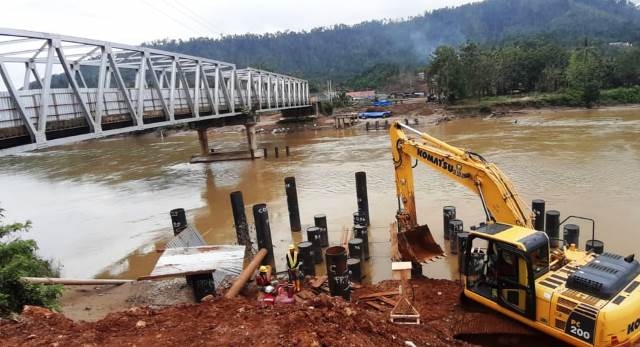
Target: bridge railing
(61,89)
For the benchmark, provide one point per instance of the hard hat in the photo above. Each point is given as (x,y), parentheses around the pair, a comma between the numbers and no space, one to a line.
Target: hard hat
(269,289)
(292,247)
(263,268)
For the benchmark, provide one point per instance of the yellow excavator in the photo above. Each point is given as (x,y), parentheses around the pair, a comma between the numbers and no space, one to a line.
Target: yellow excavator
(577,296)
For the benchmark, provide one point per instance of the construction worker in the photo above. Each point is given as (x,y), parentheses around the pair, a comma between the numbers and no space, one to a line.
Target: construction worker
(292,266)
(263,278)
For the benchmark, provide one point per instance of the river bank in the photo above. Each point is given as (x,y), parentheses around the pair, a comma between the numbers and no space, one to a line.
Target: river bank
(414,111)
(527,103)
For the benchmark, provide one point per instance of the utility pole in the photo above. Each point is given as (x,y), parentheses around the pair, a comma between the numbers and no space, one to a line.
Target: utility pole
(328,90)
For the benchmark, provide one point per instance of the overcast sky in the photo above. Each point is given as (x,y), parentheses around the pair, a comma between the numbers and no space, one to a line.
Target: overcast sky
(136,21)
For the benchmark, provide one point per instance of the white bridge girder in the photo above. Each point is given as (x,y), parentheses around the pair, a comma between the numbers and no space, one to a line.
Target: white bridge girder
(122,88)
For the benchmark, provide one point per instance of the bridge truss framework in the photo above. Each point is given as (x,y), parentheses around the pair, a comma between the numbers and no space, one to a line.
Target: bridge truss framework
(110,88)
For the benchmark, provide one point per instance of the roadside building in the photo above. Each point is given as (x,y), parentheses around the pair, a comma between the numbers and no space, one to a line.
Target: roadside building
(362,95)
(620,44)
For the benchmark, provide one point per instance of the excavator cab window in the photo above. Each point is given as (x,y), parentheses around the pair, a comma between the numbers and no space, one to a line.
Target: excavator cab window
(513,280)
(481,268)
(539,260)
(501,273)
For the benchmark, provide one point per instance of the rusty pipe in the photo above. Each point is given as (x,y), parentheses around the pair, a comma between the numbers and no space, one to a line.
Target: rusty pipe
(245,275)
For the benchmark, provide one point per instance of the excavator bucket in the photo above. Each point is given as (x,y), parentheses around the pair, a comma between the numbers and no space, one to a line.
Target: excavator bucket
(418,245)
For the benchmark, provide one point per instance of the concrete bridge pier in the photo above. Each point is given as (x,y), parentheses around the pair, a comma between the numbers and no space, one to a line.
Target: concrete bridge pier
(250,129)
(203,139)
(207,155)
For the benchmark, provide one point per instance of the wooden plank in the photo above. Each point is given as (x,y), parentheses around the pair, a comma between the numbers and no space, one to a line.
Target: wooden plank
(305,294)
(73,281)
(395,252)
(376,306)
(387,301)
(193,260)
(317,283)
(346,232)
(356,285)
(379,294)
(246,274)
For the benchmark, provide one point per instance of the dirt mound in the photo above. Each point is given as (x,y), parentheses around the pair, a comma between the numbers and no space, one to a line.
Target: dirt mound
(412,109)
(324,321)
(321,321)
(439,304)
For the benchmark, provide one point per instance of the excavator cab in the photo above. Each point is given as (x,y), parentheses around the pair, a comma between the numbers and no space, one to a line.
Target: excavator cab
(502,269)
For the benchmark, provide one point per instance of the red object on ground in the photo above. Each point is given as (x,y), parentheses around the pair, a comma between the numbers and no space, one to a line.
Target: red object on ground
(268,299)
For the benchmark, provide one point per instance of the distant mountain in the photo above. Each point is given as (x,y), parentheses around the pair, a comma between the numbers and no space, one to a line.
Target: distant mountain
(341,52)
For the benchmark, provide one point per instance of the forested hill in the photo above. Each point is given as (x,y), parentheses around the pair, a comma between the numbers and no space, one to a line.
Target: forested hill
(341,52)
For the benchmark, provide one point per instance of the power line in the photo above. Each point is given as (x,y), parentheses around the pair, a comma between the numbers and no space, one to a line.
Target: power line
(179,11)
(184,25)
(195,16)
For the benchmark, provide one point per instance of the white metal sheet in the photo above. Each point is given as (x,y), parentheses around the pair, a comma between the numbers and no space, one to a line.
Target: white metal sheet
(192,260)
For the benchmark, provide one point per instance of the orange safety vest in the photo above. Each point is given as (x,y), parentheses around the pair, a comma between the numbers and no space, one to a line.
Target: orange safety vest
(292,260)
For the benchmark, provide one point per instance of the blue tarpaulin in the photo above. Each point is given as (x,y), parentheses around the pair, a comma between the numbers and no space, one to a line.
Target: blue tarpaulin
(382,103)
(382,114)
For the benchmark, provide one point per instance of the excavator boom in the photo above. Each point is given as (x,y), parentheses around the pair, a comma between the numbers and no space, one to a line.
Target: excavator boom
(499,198)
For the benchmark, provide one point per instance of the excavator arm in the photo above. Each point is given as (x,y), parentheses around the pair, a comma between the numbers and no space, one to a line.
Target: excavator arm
(499,198)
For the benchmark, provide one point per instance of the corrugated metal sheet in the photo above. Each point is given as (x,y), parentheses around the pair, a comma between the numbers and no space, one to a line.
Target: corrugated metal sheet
(189,237)
(193,260)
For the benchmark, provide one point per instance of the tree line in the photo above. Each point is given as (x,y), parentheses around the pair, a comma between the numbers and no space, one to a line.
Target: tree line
(342,52)
(534,65)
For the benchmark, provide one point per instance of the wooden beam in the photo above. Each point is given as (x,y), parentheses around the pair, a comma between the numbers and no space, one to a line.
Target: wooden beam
(377,306)
(379,294)
(246,274)
(73,281)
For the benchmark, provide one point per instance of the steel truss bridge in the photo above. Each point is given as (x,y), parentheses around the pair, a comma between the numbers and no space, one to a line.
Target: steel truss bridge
(62,89)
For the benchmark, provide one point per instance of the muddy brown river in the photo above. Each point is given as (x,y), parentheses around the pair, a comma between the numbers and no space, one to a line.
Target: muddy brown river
(102,208)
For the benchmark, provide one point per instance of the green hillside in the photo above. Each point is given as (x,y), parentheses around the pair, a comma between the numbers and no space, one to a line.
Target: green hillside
(341,52)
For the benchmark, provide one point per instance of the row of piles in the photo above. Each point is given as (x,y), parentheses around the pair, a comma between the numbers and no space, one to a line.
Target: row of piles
(548,221)
(343,265)
(377,125)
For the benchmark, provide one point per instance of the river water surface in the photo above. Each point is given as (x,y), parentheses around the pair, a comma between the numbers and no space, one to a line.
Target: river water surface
(101,208)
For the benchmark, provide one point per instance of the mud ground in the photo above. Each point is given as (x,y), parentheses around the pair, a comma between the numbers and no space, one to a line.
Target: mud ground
(320,321)
(92,303)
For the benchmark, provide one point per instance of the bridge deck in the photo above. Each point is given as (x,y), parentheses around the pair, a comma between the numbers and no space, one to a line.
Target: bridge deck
(74,89)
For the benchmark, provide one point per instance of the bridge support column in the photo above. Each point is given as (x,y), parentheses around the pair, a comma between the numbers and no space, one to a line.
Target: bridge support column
(204,140)
(251,137)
